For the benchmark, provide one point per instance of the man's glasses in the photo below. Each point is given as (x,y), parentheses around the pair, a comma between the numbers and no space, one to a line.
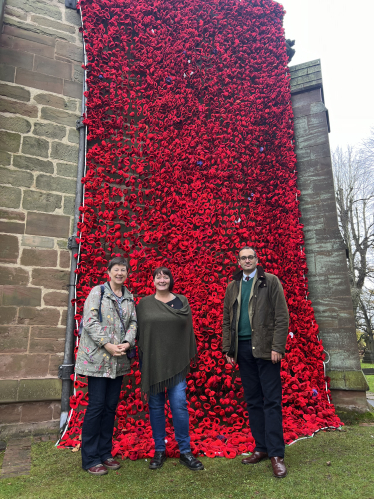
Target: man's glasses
(244,258)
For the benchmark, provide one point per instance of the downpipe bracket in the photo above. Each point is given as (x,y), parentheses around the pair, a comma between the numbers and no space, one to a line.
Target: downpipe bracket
(79,123)
(71,4)
(65,371)
(72,243)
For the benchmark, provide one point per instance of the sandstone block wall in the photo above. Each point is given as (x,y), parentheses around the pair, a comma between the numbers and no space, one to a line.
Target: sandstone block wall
(40,100)
(328,274)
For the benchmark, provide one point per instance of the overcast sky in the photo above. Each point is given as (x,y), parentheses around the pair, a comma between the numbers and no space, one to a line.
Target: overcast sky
(341,34)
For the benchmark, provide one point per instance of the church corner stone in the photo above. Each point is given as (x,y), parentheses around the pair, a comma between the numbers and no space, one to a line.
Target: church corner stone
(328,275)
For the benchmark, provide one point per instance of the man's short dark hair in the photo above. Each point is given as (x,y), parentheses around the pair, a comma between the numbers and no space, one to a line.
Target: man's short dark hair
(118,260)
(165,271)
(247,247)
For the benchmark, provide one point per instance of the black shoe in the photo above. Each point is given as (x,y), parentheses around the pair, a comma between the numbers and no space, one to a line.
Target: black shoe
(158,460)
(191,462)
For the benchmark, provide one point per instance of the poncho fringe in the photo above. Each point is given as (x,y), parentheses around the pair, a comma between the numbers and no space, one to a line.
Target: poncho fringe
(169,383)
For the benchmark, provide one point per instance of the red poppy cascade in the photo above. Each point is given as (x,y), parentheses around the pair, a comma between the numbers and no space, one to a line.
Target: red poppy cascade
(190,156)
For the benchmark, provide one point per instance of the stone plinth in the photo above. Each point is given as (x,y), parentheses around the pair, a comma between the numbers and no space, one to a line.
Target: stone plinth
(325,251)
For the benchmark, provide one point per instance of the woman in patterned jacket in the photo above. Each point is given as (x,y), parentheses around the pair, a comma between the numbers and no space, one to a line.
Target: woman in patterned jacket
(109,331)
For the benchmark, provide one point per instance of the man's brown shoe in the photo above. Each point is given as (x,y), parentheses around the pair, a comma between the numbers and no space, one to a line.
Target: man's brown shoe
(111,464)
(279,468)
(256,457)
(98,470)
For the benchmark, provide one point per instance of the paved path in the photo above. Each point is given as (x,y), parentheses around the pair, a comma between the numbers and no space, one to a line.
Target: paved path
(370,398)
(17,457)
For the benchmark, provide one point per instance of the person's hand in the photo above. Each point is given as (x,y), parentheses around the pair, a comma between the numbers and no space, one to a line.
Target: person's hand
(276,357)
(124,346)
(115,350)
(230,360)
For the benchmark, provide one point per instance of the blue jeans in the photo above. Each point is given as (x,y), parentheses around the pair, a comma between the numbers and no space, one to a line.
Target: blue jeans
(263,393)
(98,424)
(178,406)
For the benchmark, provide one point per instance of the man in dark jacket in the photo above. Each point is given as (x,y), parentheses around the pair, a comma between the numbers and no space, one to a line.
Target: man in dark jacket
(255,329)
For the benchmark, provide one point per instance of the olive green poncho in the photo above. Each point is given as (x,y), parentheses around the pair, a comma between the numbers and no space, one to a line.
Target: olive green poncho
(166,343)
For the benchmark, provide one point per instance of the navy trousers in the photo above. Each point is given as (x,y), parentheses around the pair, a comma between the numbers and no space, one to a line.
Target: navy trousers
(98,424)
(263,393)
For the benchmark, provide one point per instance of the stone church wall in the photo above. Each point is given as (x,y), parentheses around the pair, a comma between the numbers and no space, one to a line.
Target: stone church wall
(40,101)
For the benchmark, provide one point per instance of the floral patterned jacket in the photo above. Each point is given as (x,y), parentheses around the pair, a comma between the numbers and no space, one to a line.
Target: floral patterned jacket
(92,357)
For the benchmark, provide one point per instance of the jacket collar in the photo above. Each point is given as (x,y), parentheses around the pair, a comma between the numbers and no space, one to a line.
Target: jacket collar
(260,274)
(126,295)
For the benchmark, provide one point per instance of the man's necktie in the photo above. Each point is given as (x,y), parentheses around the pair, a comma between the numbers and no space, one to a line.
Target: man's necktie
(247,278)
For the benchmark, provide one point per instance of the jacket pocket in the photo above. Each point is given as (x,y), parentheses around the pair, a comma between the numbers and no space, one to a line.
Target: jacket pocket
(91,354)
(268,334)
(262,340)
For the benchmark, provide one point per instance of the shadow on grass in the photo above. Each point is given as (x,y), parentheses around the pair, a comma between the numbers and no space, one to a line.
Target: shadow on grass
(57,474)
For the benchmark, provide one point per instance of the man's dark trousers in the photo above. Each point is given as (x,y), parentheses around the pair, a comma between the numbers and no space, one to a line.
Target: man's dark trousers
(263,393)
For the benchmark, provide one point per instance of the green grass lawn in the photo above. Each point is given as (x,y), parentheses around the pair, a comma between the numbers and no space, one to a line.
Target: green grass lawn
(370,378)
(366,366)
(370,383)
(56,474)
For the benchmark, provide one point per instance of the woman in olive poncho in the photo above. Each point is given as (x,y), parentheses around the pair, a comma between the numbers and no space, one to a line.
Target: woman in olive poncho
(166,344)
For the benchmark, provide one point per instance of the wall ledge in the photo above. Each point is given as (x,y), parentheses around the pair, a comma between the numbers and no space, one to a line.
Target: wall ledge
(29,390)
(348,380)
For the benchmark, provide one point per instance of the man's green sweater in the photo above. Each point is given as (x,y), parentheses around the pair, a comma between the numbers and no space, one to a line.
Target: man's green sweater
(244,329)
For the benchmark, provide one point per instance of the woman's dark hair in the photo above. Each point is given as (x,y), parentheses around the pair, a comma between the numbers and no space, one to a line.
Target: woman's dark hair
(118,260)
(166,271)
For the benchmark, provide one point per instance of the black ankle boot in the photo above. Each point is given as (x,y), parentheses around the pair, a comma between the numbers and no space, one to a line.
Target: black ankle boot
(158,460)
(191,462)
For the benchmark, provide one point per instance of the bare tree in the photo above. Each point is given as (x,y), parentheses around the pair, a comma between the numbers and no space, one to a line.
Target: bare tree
(354,191)
(365,319)
(368,149)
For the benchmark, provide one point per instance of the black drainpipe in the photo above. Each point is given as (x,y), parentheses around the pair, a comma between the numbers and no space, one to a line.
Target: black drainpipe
(67,367)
